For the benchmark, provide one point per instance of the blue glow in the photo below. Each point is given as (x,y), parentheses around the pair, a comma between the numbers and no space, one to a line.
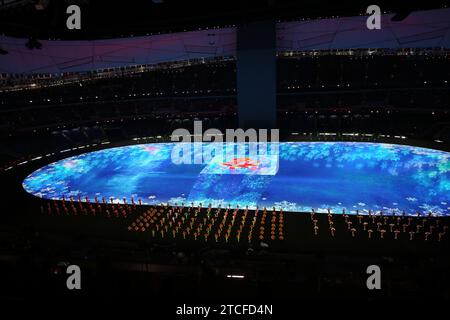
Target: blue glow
(304,175)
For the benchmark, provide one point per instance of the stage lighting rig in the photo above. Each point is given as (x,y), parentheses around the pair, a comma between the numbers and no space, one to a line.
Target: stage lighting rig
(41,4)
(33,43)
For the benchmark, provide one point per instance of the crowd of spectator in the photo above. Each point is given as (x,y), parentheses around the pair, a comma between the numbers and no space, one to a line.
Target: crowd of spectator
(395,94)
(335,72)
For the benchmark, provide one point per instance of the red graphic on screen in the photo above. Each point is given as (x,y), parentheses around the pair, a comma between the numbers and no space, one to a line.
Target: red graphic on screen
(242,163)
(151,149)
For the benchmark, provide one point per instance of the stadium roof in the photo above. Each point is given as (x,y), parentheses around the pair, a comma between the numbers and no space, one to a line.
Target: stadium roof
(422,29)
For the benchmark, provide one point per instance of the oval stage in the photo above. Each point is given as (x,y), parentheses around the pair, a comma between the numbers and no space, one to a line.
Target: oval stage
(293,176)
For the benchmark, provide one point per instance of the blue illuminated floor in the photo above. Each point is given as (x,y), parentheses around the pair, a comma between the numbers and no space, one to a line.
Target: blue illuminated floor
(320,175)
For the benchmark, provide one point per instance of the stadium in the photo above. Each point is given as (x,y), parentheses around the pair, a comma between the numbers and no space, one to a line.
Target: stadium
(265,151)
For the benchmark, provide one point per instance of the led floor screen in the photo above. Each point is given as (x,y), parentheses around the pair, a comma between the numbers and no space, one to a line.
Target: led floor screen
(357,177)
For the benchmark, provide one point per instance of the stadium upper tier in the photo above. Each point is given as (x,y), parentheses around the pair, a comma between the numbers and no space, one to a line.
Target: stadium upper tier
(421,29)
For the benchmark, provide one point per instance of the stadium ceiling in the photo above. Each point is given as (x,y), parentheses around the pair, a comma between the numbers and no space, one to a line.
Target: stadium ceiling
(422,29)
(46,19)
